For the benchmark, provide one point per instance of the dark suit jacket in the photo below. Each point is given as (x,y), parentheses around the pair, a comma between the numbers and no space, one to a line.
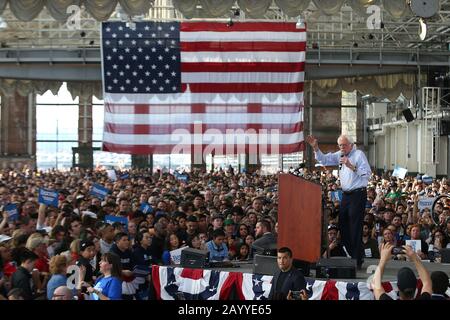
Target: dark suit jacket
(295,281)
(267,241)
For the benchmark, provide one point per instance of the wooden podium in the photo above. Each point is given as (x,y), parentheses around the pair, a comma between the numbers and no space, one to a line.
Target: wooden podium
(300,217)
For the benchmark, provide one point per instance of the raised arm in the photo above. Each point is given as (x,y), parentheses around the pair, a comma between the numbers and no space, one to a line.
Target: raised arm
(385,256)
(329,159)
(423,273)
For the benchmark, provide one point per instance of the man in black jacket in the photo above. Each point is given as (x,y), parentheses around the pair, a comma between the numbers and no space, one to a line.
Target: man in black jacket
(286,279)
(21,278)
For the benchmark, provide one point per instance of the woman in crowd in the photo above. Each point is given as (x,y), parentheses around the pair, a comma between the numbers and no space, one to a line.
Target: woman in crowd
(58,271)
(109,285)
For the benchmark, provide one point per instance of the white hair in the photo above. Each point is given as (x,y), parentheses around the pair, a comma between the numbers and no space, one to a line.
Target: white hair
(349,139)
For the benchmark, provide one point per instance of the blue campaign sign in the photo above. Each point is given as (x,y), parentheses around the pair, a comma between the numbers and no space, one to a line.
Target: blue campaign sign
(336,195)
(146,208)
(12,211)
(112,219)
(183,177)
(99,191)
(125,176)
(48,197)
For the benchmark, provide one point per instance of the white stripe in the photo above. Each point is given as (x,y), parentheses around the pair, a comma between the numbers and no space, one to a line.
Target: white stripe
(203,118)
(194,286)
(247,286)
(250,56)
(317,290)
(163,283)
(188,97)
(270,138)
(242,36)
(242,77)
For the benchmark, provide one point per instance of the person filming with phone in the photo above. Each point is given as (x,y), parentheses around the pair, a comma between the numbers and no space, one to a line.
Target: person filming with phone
(406,279)
(287,281)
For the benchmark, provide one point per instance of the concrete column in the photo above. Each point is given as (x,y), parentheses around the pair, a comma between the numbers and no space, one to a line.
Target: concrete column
(85,151)
(18,131)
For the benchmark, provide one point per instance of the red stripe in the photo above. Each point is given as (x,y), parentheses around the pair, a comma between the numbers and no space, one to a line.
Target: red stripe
(387,286)
(168,149)
(194,274)
(239,26)
(239,282)
(156,282)
(270,46)
(227,286)
(244,87)
(330,292)
(195,128)
(243,67)
(145,109)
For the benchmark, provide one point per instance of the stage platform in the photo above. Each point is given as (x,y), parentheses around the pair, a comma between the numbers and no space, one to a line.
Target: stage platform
(390,272)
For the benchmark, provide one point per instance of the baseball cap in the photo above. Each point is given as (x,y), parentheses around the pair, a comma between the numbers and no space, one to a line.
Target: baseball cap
(228,222)
(406,279)
(85,243)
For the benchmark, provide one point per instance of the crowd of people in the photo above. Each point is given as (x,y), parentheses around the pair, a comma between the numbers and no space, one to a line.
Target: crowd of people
(229,214)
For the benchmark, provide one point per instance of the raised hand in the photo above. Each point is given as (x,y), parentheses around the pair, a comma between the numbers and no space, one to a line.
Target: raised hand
(312,141)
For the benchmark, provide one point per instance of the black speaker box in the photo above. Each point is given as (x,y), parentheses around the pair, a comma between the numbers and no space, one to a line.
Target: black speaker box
(408,115)
(265,264)
(337,267)
(194,258)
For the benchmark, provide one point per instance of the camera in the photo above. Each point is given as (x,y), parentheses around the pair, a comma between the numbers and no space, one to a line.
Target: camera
(397,250)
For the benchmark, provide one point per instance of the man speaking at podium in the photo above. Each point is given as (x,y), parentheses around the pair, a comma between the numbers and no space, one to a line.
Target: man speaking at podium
(354,174)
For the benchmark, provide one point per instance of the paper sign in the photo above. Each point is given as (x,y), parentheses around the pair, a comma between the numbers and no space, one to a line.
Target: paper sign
(111,219)
(336,195)
(425,202)
(416,245)
(175,255)
(99,191)
(112,174)
(399,172)
(48,197)
(12,211)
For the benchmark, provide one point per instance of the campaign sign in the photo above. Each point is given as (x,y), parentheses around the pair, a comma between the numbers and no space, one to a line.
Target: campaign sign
(336,195)
(175,255)
(12,211)
(111,175)
(48,197)
(399,172)
(99,191)
(425,202)
(111,219)
(125,176)
(146,208)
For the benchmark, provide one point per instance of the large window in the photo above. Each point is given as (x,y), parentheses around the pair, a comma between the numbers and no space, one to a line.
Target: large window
(56,129)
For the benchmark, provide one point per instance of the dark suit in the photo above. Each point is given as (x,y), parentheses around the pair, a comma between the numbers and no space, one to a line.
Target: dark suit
(295,281)
(266,241)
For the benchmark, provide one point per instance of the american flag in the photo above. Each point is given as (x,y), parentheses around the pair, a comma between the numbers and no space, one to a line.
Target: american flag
(203,84)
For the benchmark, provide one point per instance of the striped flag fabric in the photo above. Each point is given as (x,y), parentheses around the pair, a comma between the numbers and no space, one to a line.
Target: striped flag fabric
(191,284)
(185,87)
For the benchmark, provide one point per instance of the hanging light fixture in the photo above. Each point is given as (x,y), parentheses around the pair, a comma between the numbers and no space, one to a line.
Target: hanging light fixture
(300,23)
(422,29)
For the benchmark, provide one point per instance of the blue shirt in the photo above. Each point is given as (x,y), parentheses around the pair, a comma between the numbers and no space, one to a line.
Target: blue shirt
(57,280)
(217,253)
(350,180)
(108,286)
